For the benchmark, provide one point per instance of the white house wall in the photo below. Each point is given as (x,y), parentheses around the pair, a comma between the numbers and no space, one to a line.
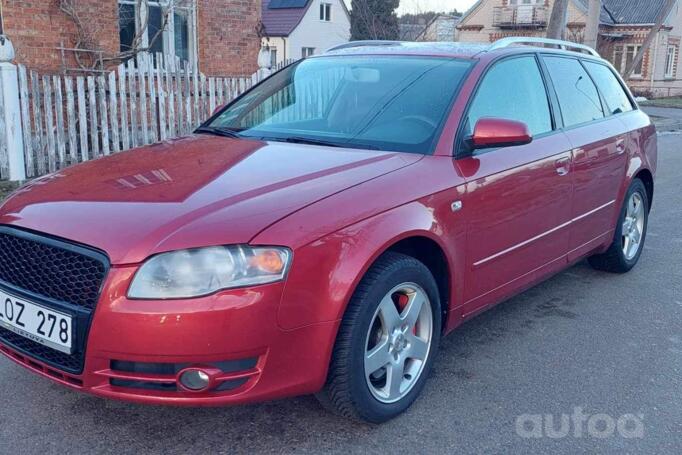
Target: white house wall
(657,84)
(278,44)
(663,86)
(312,32)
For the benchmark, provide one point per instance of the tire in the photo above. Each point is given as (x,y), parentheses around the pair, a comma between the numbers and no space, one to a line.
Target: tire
(621,256)
(370,335)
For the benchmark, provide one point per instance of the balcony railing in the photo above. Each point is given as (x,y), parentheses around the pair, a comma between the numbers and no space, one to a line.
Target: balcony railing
(520,16)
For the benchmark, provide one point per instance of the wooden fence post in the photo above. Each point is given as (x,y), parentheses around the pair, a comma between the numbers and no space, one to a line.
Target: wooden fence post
(12,158)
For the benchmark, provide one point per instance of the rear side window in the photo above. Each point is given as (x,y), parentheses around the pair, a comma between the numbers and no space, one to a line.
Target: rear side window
(514,90)
(578,97)
(616,99)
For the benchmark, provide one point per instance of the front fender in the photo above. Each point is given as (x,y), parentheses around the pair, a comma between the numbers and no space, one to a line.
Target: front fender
(327,271)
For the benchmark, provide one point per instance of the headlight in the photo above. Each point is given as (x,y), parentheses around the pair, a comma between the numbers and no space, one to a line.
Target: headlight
(203,271)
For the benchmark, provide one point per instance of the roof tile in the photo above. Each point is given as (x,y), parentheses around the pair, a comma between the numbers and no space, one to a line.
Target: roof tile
(616,12)
(634,11)
(282,21)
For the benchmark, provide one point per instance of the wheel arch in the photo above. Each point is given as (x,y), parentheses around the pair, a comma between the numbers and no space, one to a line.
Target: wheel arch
(430,253)
(333,266)
(647,178)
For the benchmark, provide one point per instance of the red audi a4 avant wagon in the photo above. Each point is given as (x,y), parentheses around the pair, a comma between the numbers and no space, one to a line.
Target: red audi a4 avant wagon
(324,230)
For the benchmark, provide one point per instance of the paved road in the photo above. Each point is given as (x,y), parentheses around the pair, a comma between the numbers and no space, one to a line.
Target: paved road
(667,119)
(607,344)
(665,112)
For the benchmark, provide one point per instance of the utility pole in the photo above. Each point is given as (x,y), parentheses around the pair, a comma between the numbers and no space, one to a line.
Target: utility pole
(557,21)
(650,37)
(592,25)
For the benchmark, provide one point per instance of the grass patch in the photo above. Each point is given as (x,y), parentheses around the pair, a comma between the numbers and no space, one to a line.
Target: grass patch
(664,102)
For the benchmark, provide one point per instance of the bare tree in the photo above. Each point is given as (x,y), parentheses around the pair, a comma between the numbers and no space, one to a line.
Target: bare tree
(87,59)
(557,21)
(374,19)
(592,26)
(662,15)
(413,25)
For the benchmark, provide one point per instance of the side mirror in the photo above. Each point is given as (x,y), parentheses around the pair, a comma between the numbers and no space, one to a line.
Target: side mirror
(218,109)
(497,132)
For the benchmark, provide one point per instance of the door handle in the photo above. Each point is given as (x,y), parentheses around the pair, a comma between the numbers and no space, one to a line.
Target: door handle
(620,146)
(562,165)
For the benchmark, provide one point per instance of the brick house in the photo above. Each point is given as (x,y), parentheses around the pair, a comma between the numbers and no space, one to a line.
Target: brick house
(220,36)
(624,24)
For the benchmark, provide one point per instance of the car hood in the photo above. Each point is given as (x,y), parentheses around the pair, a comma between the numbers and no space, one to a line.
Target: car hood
(190,192)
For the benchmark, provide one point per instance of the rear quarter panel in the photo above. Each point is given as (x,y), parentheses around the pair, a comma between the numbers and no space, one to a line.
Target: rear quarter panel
(642,149)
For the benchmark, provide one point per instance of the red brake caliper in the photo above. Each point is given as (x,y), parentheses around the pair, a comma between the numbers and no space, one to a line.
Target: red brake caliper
(403,300)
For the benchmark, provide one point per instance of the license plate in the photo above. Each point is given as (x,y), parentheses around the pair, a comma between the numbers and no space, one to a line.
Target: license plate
(35,322)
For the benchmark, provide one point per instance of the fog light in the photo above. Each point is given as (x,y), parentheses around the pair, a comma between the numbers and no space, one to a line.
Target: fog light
(195,380)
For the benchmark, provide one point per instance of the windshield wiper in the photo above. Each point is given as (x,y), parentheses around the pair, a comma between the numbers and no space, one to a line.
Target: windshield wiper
(305,140)
(224,132)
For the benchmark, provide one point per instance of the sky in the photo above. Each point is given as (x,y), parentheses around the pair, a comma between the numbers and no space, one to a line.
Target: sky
(439,6)
(417,6)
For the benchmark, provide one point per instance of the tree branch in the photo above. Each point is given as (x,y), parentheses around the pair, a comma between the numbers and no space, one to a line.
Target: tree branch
(73,9)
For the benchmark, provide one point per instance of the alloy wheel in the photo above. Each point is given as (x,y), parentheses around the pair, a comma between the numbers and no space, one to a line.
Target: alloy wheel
(398,342)
(633,226)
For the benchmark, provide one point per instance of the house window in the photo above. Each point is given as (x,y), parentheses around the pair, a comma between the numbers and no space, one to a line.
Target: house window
(670,62)
(618,58)
(307,52)
(273,58)
(326,12)
(630,53)
(624,55)
(182,18)
(126,25)
(163,26)
(2,21)
(155,27)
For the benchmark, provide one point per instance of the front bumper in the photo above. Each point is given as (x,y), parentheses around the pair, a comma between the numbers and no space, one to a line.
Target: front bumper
(136,348)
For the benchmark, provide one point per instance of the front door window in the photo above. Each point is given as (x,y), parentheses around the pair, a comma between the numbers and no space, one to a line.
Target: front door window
(513,89)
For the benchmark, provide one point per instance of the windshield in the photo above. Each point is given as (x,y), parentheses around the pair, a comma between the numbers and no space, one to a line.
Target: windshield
(391,103)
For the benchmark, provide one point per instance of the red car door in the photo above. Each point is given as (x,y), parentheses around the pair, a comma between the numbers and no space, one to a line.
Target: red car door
(598,139)
(518,198)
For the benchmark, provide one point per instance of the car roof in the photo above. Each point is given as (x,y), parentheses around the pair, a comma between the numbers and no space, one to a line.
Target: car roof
(446,49)
(467,50)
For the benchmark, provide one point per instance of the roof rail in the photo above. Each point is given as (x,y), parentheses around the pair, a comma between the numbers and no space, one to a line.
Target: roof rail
(365,43)
(566,45)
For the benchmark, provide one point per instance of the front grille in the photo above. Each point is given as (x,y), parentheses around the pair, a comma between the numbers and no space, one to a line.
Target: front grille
(72,363)
(56,274)
(53,272)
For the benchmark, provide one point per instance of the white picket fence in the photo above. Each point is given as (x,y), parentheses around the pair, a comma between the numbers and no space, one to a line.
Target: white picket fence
(67,120)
